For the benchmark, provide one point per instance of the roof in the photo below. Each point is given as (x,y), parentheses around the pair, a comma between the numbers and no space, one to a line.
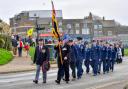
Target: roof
(108,23)
(43,13)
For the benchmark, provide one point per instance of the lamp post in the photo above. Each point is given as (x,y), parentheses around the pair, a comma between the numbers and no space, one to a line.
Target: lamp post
(36,27)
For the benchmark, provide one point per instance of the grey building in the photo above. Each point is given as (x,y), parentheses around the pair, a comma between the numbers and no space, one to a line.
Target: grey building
(39,18)
(91,26)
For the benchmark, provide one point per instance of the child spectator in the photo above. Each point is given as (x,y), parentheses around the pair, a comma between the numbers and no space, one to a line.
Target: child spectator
(26,47)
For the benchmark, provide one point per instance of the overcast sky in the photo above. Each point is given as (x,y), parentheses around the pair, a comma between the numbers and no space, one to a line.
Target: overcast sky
(111,9)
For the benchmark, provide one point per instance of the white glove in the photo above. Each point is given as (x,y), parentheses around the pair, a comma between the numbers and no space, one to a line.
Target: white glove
(65,58)
(90,59)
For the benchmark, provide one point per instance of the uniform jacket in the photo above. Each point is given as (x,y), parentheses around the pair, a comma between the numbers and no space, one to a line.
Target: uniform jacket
(80,52)
(73,54)
(103,52)
(108,56)
(113,54)
(87,55)
(95,52)
(65,54)
(41,55)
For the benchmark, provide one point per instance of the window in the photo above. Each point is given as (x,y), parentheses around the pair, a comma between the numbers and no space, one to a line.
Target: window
(60,23)
(77,31)
(77,25)
(85,31)
(100,26)
(95,26)
(109,33)
(50,23)
(69,26)
(71,32)
(95,33)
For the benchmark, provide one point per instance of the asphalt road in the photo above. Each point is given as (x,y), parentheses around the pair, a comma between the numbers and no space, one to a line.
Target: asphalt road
(113,80)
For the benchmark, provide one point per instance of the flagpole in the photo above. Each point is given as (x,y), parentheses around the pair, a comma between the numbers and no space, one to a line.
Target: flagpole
(58,36)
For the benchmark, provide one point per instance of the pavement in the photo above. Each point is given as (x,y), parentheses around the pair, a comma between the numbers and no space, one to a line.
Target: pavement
(113,80)
(20,64)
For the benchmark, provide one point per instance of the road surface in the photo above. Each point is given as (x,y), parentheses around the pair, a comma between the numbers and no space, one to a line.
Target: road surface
(113,80)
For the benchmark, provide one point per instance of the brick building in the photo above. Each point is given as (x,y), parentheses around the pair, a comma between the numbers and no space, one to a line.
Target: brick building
(91,26)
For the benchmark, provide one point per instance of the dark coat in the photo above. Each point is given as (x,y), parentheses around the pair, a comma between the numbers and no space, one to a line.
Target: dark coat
(103,52)
(64,53)
(80,52)
(41,56)
(87,55)
(73,54)
(95,52)
(113,54)
(108,53)
(14,43)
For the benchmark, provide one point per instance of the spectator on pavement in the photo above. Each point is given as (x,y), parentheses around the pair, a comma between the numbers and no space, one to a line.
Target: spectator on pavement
(14,45)
(20,46)
(26,47)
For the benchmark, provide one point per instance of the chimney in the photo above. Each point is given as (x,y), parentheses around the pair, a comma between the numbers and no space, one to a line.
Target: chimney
(90,16)
(103,18)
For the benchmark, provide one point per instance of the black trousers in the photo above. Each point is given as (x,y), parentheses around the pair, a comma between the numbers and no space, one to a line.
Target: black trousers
(63,70)
(73,68)
(20,51)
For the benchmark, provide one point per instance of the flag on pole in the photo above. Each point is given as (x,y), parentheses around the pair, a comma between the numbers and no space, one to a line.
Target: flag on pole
(55,30)
(30,32)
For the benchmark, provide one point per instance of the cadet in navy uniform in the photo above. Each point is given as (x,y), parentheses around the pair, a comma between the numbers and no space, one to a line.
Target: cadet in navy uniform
(80,57)
(63,68)
(95,55)
(41,56)
(108,57)
(100,44)
(73,57)
(113,58)
(87,58)
(103,55)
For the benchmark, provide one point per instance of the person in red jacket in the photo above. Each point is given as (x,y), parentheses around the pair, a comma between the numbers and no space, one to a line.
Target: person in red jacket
(26,47)
(20,46)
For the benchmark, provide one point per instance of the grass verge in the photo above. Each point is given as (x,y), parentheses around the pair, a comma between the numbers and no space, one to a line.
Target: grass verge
(5,56)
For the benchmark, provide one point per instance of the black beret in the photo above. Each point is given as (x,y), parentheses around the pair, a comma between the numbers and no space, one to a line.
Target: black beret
(40,39)
(70,40)
(79,38)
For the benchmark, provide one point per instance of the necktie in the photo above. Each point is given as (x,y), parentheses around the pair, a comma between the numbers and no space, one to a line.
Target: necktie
(40,48)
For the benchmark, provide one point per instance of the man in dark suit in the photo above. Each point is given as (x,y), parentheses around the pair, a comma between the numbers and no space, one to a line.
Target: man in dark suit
(41,56)
(63,64)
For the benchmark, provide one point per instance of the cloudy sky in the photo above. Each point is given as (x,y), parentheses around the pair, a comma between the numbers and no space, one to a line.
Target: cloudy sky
(111,9)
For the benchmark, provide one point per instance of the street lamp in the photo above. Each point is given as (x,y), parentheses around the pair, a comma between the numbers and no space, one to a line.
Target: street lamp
(36,27)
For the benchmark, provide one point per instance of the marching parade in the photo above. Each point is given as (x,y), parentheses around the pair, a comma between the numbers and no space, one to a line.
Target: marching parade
(98,56)
(80,44)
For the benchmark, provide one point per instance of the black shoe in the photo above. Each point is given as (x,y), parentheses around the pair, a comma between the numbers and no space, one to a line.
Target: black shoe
(44,81)
(98,72)
(57,81)
(63,79)
(35,81)
(67,82)
(94,74)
